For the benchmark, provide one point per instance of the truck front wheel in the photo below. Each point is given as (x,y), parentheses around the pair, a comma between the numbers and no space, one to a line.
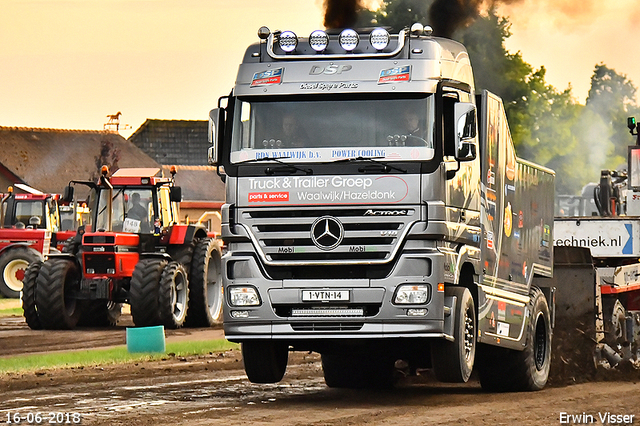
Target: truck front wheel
(453,361)
(56,284)
(265,361)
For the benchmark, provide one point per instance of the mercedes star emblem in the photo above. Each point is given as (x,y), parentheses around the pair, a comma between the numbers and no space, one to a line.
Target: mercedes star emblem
(327,232)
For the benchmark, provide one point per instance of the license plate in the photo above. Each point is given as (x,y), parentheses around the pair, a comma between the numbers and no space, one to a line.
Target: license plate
(325,295)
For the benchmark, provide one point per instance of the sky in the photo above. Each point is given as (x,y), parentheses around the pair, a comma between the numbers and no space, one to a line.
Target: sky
(67,64)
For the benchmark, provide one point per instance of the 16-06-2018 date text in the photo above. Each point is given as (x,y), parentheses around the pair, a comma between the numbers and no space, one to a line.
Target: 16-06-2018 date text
(42,418)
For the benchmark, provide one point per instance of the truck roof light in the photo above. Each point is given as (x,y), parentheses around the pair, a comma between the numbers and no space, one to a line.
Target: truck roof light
(288,41)
(417,29)
(264,33)
(104,170)
(349,40)
(379,38)
(318,40)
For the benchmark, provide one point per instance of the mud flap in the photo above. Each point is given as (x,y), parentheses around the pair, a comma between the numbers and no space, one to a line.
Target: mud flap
(449,317)
(574,341)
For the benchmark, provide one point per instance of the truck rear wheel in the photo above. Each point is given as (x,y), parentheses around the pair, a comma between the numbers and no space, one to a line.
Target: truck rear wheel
(29,305)
(265,361)
(205,286)
(505,370)
(144,291)
(13,264)
(173,295)
(55,294)
(357,371)
(453,361)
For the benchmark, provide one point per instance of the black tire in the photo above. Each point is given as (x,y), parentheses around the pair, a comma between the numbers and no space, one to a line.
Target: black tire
(58,309)
(29,305)
(357,371)
(144,291)
(100,313)
(453,361)
(506,370)
(173,297)
(265,361)
(205,285)
(13,264)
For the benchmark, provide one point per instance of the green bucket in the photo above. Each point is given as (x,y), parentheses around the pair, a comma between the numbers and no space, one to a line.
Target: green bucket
(146,339)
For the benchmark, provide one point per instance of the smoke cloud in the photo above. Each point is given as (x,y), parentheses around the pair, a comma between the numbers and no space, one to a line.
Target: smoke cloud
(341,13)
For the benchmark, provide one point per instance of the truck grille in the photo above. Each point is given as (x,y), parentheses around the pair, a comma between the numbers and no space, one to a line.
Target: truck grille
(315,236)
(326,326)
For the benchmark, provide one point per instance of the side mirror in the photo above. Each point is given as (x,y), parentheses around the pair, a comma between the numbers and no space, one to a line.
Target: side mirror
(215,117)
(67,196)
(466,131)
(175,195)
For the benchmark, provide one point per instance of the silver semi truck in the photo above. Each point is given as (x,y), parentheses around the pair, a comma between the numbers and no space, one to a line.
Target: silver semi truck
(376,213)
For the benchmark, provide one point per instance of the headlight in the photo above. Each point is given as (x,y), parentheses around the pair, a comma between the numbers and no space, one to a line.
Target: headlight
(243,296)
(288,41)
(348,39)
(412,294)
(379,38)
(318,40)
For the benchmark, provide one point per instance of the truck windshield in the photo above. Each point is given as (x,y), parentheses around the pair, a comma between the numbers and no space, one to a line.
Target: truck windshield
(331,129)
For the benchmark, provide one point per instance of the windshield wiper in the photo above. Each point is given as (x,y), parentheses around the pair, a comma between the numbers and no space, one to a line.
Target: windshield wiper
(272,170)
(386,167)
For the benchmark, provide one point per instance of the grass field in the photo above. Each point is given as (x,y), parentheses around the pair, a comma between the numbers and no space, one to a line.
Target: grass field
(10,307)
(108,356)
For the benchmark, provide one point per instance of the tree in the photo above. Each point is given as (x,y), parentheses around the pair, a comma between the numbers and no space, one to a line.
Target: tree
(611,100)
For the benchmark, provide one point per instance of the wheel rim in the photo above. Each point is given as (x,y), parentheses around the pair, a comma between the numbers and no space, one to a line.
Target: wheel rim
(469,334)
(13,274)
(540,346)
(213,291)
(179,296)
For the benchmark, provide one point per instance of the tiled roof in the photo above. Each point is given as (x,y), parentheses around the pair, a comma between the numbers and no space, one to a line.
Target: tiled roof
(47,159)
(173,141)
(199,183)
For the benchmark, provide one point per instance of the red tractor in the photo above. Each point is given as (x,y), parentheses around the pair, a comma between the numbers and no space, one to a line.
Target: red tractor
(135,251)
(30,227)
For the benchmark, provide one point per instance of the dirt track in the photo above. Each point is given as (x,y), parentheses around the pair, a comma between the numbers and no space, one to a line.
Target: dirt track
(213,389)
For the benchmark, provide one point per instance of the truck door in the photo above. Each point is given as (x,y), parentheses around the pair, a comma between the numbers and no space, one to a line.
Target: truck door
(492,149)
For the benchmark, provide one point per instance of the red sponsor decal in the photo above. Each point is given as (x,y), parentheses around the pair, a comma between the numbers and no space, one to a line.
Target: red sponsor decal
(268,80)
(392,78)
(268,196)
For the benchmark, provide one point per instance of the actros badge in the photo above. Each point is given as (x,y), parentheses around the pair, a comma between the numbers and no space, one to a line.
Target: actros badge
(327,232)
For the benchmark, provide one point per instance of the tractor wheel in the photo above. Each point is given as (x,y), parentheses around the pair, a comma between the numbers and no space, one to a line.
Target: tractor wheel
(265,361)
(100,313)
(174,295)
(29,305)
(55,287)
(453,361)
(143,294)
(205,286)
(615,323)
(13,264)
